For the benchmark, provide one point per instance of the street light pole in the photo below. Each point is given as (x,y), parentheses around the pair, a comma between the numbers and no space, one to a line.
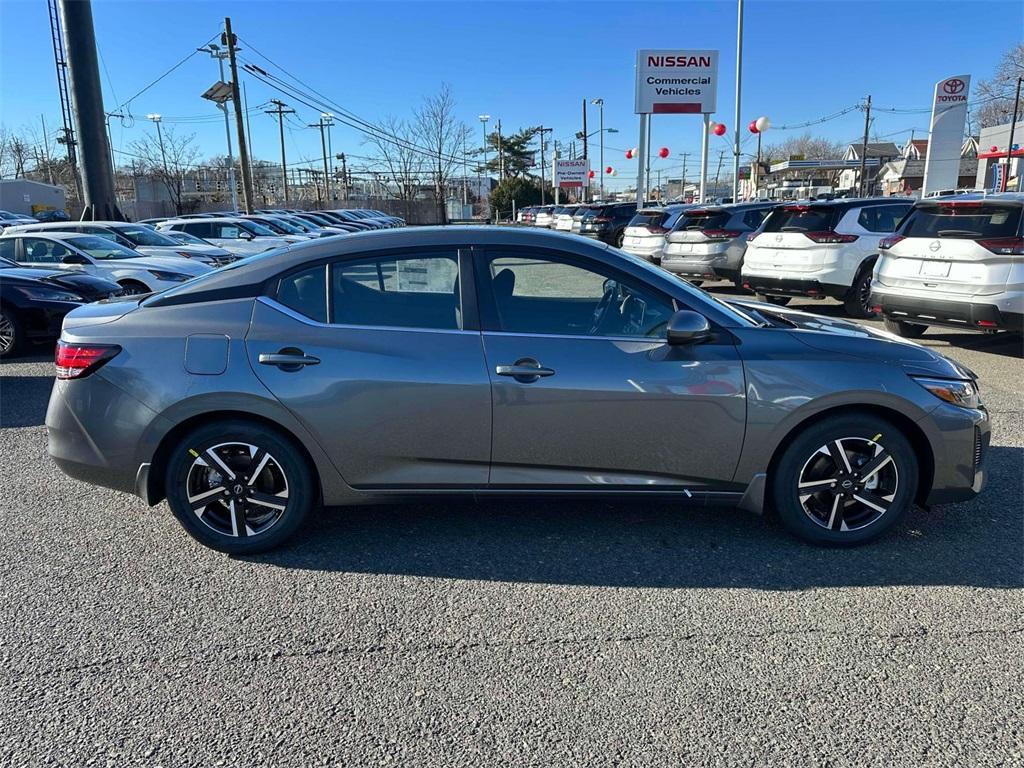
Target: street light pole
(160,137)
(599,103)
(215,51)
(483,127)
(739,79)
(329,168)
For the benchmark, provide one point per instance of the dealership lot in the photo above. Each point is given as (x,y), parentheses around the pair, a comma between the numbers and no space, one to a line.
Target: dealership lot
(511,633)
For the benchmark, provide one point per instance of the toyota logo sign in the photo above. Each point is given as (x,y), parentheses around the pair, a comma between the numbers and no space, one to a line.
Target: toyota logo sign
(954,86)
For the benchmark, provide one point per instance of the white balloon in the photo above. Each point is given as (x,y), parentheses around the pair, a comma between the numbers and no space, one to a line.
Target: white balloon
(763,124)
(711,126)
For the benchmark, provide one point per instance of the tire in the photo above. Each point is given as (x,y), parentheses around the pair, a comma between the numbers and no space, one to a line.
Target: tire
(697,283)
(134,288)
(779,301)
(620,238)
(195,471)
(904,329)
(842,517)
(11,339)
(858,301)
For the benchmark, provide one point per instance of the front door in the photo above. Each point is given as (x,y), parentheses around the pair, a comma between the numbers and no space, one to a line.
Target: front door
(587,393)
(372,356)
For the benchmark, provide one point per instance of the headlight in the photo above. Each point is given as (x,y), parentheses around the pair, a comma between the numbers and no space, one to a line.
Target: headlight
(174,277)
(186,254)
(42,293)
(962,393)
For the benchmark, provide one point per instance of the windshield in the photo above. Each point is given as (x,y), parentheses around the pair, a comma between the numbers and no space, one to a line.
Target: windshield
(282,226)
(963,220)
(143,235)
(299,224)
(102,248)
(256,229)
(185,237)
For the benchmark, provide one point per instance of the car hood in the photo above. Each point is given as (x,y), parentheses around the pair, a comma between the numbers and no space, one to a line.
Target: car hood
(846,337)
(209,251)
(166,263)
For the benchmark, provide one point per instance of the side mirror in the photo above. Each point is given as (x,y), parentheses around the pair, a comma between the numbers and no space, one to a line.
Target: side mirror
(686,327)
(74,258)
(246,235)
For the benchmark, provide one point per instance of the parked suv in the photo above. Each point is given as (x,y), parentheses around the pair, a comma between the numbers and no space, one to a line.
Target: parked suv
(646,231)
(608,222)
(243,237)
(545,215)
(821,249)
(954,261)
(708,242)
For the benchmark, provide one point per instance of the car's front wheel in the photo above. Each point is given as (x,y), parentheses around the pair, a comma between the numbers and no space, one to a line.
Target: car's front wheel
(10,332)
(845,480)
(238,487)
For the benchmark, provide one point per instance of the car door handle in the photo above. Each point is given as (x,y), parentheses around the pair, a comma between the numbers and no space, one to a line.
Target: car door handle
(525,370)
(288,359)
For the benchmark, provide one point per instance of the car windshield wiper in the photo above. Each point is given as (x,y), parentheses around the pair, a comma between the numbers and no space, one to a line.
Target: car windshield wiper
(958,233)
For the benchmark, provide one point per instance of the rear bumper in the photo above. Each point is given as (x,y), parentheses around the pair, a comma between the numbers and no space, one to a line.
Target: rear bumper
(954,314)
(704,268)
(792,286)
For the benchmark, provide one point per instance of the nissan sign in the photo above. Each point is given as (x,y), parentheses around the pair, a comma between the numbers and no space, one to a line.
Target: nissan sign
(676,82)
(572,173)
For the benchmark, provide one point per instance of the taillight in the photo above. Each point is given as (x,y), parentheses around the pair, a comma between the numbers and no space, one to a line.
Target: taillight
(888,242)
(829,237)
(720,234)
(75,361)
(1006,246)
(600,219)
(752,236)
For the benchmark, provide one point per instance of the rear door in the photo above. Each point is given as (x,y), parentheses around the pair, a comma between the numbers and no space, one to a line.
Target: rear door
(958,246)
(612,405)
(377,358)
(786,240)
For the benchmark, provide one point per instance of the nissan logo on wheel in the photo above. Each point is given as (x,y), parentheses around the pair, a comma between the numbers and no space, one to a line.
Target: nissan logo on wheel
(954,86)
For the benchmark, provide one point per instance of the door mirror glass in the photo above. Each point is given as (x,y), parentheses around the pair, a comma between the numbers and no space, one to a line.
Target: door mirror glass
(246,235)
(74,258)
(688,327)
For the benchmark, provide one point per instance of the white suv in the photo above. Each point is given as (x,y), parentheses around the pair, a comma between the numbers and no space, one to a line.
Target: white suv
(820,249)
(954,261)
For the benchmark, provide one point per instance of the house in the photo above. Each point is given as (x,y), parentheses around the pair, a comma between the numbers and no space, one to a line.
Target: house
(993,152)
(882,151)
(904,176)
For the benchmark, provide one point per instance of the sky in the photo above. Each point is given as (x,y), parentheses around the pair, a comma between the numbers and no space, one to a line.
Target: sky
(527,63)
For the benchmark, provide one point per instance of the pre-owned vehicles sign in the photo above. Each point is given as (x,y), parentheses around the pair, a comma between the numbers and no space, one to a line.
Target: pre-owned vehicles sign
(572,173)
(676,81)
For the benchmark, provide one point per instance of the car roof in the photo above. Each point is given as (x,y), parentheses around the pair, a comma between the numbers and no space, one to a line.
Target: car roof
(54,234)
(208,219)
(1012,198)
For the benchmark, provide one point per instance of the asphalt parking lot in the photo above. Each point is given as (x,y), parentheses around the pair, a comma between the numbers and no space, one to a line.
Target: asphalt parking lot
(510,634)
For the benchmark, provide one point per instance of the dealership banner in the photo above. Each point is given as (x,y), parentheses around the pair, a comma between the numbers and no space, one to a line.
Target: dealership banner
(946,137)
(572,173)
(676,82)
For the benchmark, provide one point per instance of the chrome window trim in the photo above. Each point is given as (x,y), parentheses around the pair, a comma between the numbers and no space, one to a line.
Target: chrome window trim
(273,304)
(580,337)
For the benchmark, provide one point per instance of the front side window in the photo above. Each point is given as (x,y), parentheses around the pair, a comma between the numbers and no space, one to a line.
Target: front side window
(562,297)
(39,251)
(99,247)
(144,236)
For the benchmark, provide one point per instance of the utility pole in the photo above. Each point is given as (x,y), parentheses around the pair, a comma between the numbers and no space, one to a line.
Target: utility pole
(501,155)
(685,155)
(87,98)
(718,170)
(280,110)
(1009,144)
(543,166)
(228,39)
(862,182)
(216,52)
(323,146)
(344,175)
(586,190)
(739,81)
(328,119)
(46,150)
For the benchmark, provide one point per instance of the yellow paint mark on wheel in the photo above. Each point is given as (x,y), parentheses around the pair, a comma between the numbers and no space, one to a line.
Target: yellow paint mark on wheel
(193,452)
(876,438)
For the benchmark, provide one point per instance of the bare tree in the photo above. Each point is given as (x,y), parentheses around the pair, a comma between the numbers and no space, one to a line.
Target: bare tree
(443,135)
(996,93)
(168,162)
(809,146)
(396,145)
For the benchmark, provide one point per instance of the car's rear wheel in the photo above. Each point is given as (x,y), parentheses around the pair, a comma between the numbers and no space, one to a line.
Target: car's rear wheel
(10,333)
(857,301)
(780,301)
(904,329)
(238,488)
(846,480)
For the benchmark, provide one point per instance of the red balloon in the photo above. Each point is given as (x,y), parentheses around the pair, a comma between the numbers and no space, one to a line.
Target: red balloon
(629,154)
(720,129)
(994,148)
(591,175)
(608,169)
(663,152)
(753,126)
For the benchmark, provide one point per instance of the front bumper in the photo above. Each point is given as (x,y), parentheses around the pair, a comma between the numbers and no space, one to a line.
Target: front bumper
(954,314)
(960,442)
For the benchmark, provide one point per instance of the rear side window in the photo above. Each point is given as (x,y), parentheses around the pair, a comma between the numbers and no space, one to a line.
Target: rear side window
(197,228)
(7,249)
(416,291)
(306,292)
(802,218)
(752,219)
(960,220)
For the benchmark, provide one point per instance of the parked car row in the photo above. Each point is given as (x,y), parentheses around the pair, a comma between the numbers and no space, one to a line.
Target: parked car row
(953,261)
(9,219)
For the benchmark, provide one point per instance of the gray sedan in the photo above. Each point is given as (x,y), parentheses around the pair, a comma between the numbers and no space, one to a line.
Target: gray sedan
(400,364)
